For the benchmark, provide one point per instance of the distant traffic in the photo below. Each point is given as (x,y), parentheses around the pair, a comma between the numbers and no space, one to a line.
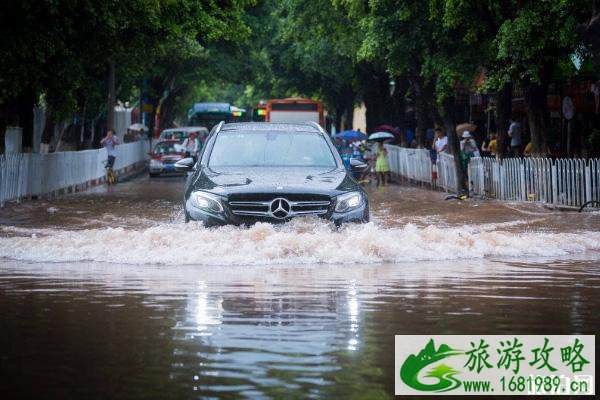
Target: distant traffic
(174,144)
(290,110)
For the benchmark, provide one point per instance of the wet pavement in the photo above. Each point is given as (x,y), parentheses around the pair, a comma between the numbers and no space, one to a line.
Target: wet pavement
(108,294)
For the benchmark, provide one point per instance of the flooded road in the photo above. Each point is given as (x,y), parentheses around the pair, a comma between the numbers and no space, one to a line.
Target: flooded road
(108,294)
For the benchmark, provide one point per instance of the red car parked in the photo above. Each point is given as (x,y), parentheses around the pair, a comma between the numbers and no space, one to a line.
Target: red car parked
(164,156)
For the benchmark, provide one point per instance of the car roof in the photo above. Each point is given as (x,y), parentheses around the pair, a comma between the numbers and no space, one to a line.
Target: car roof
(269,126)
(167,141)
(186,129)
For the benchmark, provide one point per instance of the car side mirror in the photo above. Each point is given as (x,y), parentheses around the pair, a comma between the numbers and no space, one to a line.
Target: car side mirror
(358,166)
(184,165)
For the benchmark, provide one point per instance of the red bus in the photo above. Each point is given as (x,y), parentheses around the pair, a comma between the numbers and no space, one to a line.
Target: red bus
(295,110)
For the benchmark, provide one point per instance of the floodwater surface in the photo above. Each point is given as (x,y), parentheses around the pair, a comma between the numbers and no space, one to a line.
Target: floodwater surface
(108,294)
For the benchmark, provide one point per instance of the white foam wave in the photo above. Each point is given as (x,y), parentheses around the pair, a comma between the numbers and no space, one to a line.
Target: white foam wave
(301,241)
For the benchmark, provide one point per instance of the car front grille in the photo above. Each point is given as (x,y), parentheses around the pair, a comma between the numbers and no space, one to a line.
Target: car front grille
(268,197)
(265,207)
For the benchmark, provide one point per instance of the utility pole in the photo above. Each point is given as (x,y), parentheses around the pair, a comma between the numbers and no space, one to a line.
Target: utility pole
(110,114)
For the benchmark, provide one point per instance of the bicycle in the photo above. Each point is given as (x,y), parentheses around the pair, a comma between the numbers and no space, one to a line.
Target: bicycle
(111,177)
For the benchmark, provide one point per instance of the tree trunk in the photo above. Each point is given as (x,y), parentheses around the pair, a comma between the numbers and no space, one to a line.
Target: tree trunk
(168,105)
(372,105)
(503,114)
(155,95)
(398,117)
(82,127)
(432,116)
(448,113)
(26,102)
(339,111)
(346,107)
(376,95)
(167,115)
(93,133)
(349,116)
(420,109)
(63,126)
(110,105)
(535,100)
(48,128)
(152,116)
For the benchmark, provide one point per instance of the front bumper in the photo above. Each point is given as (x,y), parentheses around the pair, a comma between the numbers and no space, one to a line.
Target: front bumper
(359,214)
(164,169)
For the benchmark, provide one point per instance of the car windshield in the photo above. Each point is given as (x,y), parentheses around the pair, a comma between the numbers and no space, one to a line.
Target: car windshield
(270,148)
(166,148)
(174,135)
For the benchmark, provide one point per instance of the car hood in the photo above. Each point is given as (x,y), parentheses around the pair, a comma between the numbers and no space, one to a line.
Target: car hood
(316,180)
(170,157)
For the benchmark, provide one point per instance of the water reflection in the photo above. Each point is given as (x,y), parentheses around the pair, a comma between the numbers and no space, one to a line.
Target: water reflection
(264,332)
(208,311)
(353,306)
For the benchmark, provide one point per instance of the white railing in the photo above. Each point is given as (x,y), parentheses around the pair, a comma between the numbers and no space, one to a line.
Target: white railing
(561,182)
(446,172)
(413,164)
(29,174)
(416,165)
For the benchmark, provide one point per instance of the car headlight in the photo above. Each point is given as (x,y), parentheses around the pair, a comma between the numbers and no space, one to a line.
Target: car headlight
(348,201)
(156,163)
(206,201)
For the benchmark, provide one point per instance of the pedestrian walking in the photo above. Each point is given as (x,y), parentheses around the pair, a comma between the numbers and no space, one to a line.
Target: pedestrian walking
(382,167)
(516,141)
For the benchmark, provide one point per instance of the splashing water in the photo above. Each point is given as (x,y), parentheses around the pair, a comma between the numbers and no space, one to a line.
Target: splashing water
(301,241)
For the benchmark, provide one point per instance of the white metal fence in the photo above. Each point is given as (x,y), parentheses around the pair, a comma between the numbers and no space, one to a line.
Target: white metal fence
(416,165)
(30,174)
(560,182)
(446,173)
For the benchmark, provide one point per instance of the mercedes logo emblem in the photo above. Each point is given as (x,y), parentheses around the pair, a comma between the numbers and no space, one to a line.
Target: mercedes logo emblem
(280,208)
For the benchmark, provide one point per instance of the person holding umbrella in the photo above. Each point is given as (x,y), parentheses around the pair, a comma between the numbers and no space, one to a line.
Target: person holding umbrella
(382,167)
(351,135)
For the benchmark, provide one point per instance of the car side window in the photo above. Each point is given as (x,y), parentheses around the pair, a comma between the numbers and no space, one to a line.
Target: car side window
(205,152)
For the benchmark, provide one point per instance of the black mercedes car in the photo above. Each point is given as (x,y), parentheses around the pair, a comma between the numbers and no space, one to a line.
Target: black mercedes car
(272,172)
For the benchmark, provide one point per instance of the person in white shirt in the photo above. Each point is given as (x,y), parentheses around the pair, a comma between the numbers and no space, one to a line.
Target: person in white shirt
(514,132)
(110,141)
(440,144)
(190,145)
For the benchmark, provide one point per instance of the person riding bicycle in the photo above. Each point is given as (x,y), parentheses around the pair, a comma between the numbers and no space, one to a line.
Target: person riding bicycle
(110,142)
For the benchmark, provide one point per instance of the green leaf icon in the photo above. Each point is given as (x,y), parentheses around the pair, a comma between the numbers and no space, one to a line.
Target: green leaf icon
(412,366)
